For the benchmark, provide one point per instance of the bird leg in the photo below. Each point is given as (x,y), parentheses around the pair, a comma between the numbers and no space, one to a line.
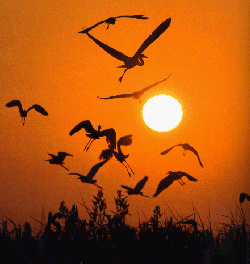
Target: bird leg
(129,167)
(23,120)
(98,186)
(88,144)
(120,79)
(126,169)
(64,167)
(181,182)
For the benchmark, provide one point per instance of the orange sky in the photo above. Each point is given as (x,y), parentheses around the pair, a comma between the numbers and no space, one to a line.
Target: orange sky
(45,61)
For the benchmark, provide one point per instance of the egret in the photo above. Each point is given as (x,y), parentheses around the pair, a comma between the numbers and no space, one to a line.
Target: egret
(185,147)
(135,95)
(108,153)
(137,59)
(111,21)
(172,176)
(58,159)
(138,187)
(94,134)
(23,113)
(89,178)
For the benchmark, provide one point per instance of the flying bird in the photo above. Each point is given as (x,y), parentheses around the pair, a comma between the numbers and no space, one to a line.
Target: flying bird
(58,159)
(94,134)
(172,176)
(244,196)
(137,59)
(111,21)
(185,147)
(89,178)
(138,187)
(23,113)
(135,95)
(107,154)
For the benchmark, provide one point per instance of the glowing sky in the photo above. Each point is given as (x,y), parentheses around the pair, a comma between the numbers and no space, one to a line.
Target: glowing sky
(45,61)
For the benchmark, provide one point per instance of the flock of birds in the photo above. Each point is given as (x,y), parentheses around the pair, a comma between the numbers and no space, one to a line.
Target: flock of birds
(110,134)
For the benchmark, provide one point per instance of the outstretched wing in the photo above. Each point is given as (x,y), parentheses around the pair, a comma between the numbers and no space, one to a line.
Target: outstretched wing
(74,173)
(95,168)
(117,96)
(86,124)
(61,155)
(106,154)
(16,103)
(126,187)
(110,135)
(163,184)
(125,141)
(135,16)
(188,147)
(155,34)
(191,178)
(39,109)
(113,52)
(139,186)
(167,150)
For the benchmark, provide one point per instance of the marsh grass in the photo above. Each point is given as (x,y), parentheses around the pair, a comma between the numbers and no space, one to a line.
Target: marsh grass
(107,238)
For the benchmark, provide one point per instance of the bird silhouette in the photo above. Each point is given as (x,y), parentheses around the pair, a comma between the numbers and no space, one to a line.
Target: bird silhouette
(91,174)
(135,95)
(138,187)
(244,196)
(23,113)
(93,134)
(172,176)
(137,59)
(58,159)
(108,153)
(111,21)
(185,147)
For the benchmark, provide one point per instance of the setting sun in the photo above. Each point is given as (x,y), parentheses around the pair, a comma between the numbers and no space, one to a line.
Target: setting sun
(162,112)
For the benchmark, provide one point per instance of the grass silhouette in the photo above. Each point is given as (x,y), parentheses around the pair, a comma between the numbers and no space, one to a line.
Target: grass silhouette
(105,238)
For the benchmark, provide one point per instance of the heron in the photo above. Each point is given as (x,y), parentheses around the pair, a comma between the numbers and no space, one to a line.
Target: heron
(94,134)
(89,178)
(135,95)
(168,180)
(185,147)
(59,158)
(111,21)
(137,59)
(138,187)
(23,113)
(108,153)
(244,196)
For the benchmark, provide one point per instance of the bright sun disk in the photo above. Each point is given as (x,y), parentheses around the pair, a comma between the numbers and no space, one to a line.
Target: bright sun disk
(162,112)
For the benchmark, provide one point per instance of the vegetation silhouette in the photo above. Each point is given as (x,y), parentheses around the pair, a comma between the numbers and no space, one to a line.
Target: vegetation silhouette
(135,95)
(94,134)
(107,238)
(168,180)
(111,21)
(58,159)
(23,113)
(185,147)
(138,187)
(137,59)
(91,174)
(243,197)
(108,153)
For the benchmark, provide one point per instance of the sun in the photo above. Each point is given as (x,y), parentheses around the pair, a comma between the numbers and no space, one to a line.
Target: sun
(162,112)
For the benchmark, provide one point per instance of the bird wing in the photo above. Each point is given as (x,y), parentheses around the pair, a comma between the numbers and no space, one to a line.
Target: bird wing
(113,52)
(74,173)
(126,187)
(106,154)
(110,135)
(135,16)
(125,141)
(39,109)
(155,34)
(16,103)
(52,156)
(167,150)
(61,155)
(141,183)
(95,168)
(86,124)
(163,184)
(191,178)
(117,96)
(194,151)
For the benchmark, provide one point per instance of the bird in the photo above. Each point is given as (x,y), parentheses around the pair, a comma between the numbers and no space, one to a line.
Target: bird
(135,95)
(107,154)
(58,159)
(138,187)
(111,21)
(168,180)
(137,59)
(23,113)
(244,196)
(89,178)
(185,147)
(93,134)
